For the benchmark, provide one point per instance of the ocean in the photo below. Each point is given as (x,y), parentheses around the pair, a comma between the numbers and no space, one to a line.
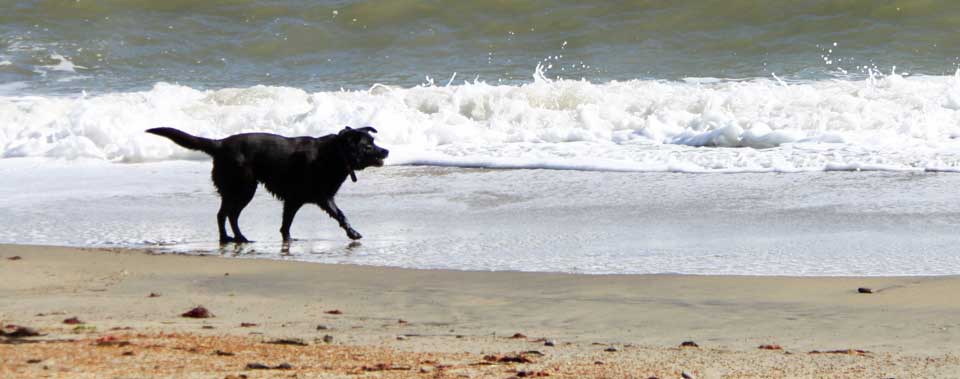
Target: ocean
(635,90)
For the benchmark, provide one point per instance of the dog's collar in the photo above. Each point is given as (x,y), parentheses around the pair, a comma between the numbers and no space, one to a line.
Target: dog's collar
(346,162)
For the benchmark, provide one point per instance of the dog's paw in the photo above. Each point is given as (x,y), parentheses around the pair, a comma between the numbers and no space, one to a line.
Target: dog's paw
(353,234)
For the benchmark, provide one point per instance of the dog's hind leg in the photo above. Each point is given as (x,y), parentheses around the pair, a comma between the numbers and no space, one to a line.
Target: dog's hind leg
(243,196)
(236,187)
(331,208)
(290,209)
(221,222)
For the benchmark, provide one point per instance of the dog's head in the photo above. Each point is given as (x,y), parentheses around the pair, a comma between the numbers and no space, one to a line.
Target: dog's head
(359,150)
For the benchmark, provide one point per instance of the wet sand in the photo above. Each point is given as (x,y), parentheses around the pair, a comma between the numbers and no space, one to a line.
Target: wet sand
(444,323)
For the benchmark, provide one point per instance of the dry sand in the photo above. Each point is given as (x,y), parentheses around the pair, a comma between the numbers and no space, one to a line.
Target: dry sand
(448,324)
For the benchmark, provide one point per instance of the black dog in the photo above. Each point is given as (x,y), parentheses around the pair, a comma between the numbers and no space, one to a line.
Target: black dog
(296,170)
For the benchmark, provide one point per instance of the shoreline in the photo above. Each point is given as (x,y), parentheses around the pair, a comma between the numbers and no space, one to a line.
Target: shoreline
(906,321)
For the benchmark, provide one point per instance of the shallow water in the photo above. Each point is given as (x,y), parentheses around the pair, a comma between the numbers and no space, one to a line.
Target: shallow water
(526,220)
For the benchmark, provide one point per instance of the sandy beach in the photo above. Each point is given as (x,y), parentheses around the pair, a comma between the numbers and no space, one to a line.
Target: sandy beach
(358,321)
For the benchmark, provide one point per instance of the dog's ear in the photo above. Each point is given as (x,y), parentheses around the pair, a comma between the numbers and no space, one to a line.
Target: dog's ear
(367,129)
(345,130)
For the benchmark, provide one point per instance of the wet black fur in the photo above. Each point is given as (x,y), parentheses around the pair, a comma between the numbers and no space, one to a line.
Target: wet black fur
(296,170)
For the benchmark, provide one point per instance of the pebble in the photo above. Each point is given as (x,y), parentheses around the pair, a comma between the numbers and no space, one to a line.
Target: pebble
(328,338)
(689,344)
(549,343)
(401,338)
(322,327)
(198,312)
(684,375)
(426,369)
(864,290)
(611,349)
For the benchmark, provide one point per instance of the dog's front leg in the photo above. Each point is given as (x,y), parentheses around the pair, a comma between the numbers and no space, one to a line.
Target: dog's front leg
(331,208)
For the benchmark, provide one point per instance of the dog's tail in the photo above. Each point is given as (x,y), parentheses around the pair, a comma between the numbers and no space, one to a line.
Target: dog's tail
(191,142)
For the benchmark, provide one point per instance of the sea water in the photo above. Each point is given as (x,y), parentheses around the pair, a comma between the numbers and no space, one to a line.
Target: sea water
(634,93)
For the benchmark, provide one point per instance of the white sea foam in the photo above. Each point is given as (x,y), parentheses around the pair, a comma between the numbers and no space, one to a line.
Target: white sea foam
(882,123)
(64,64)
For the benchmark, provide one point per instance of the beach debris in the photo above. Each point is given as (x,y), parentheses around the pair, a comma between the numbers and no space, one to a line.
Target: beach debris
(221,353)
(842,351)
(549,343)
(248,324)
(73,321)
(334,312)
(14,258)
(689,344)
(83,328)
(517,358)
(261,366)
(864,290)
(19,332)
(198,312)
(598,362)
(770,347)
(611,349)
(531,374)
(110,341)
(387,367)
(518,336)
(154,294)
(57,313)
(34,361)
(288,341)
(684,375)
(322,327)
(327,339)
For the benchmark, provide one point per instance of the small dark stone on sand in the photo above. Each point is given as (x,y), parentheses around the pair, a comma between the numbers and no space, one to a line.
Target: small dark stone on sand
(20,332)
(518,336)
(401,321)
(154,294)
(73,321)
(684,375)
(15,258)
(283,366)
(322,327)
(247,325)
(689,344)
(864,290)
(34,361)
(222,353)
(334,312)
(207,327)
(257,366)
(198,312)
(127,353)
(611,349)
(328,339)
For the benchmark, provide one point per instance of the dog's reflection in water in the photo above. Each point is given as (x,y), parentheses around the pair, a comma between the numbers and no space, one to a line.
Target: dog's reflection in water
(326,249)
(293,248)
